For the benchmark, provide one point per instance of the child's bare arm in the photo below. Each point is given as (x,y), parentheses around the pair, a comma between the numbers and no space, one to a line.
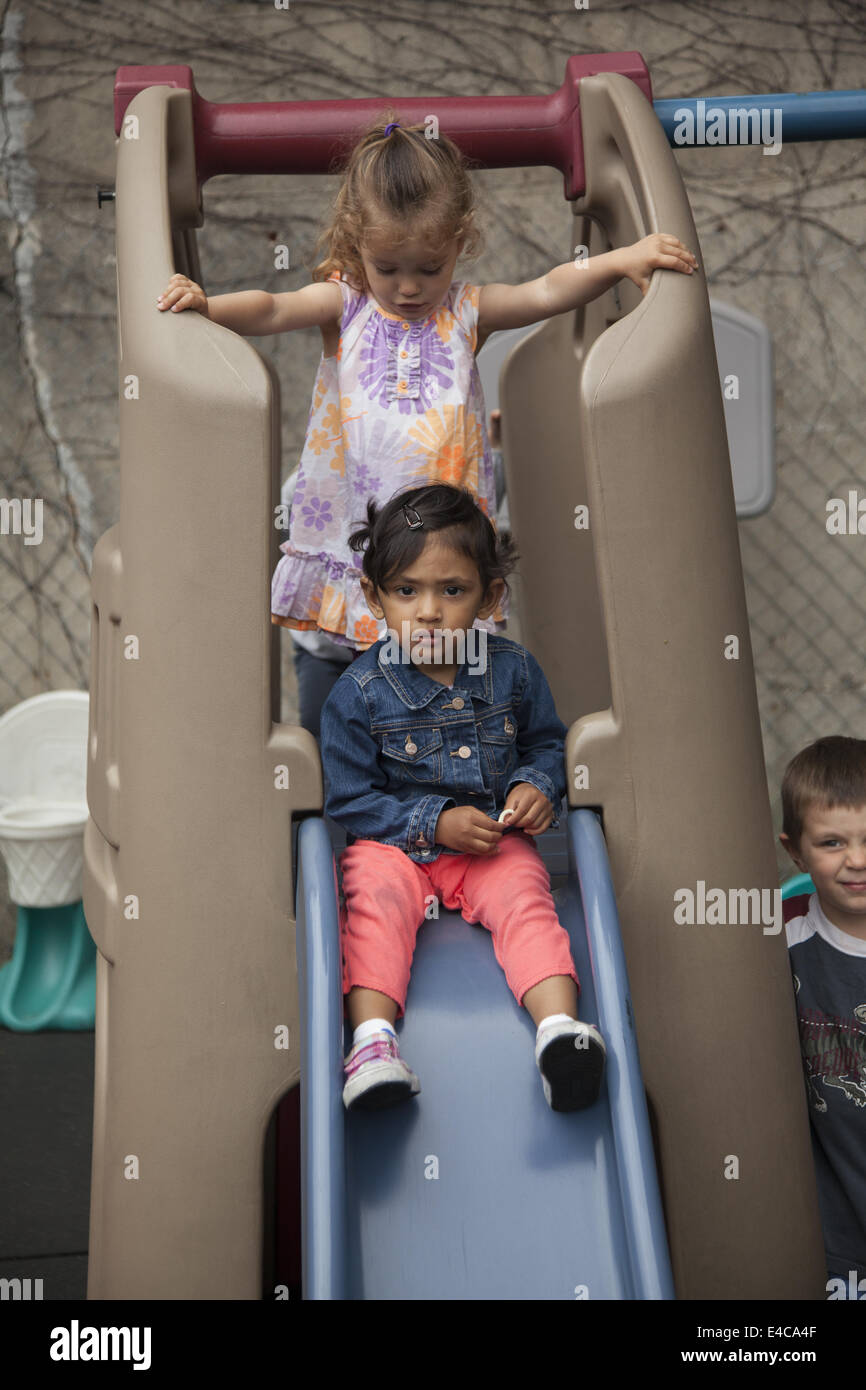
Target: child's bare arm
(577,282)
(244,313)
(255,313)
(309,307)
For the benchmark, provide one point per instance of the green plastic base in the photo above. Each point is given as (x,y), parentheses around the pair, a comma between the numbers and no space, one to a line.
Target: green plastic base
(50,981)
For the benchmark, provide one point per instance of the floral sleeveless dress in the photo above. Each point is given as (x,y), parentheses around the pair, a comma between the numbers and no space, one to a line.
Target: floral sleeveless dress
(399,405)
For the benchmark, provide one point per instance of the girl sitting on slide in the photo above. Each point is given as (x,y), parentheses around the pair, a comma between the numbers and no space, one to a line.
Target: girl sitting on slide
(444,758)
(397,399)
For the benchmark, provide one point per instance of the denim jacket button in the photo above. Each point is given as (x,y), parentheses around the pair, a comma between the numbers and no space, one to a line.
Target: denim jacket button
(464,752)
(457,703)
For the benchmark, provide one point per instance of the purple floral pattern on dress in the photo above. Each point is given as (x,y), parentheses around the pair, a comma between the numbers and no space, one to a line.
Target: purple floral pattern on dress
(376,445)
(380,340)
(365,480)
(317,513)
(353,303)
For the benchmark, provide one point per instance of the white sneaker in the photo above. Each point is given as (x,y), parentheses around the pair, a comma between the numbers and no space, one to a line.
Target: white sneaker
(376,1074)
(570,1056)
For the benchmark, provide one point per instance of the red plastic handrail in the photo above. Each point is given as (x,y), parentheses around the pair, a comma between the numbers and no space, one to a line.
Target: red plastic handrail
(313,137)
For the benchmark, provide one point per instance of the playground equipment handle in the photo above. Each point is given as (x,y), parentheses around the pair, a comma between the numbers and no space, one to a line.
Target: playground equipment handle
(301,137)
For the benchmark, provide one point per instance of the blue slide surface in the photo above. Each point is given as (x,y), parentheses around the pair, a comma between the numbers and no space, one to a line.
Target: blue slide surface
(475,1189)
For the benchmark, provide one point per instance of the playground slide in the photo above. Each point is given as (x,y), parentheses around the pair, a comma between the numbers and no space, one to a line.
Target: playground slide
(475,1189)
(630,589)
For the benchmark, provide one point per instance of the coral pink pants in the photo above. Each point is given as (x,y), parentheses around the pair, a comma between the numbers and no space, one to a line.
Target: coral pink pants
(387,893)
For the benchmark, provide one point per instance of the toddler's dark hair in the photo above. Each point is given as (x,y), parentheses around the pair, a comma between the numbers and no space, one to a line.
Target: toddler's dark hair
(390,544)
(830,772)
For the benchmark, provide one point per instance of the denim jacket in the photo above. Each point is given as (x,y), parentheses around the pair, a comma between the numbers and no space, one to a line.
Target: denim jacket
(398,747)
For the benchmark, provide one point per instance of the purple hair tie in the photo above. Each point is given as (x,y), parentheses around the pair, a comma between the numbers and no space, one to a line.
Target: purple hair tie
(392,125)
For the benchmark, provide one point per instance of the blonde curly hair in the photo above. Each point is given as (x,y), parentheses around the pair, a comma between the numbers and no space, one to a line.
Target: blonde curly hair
(404,180)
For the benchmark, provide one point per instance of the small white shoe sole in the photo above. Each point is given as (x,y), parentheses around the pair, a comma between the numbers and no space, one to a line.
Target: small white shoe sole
(379,1085)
